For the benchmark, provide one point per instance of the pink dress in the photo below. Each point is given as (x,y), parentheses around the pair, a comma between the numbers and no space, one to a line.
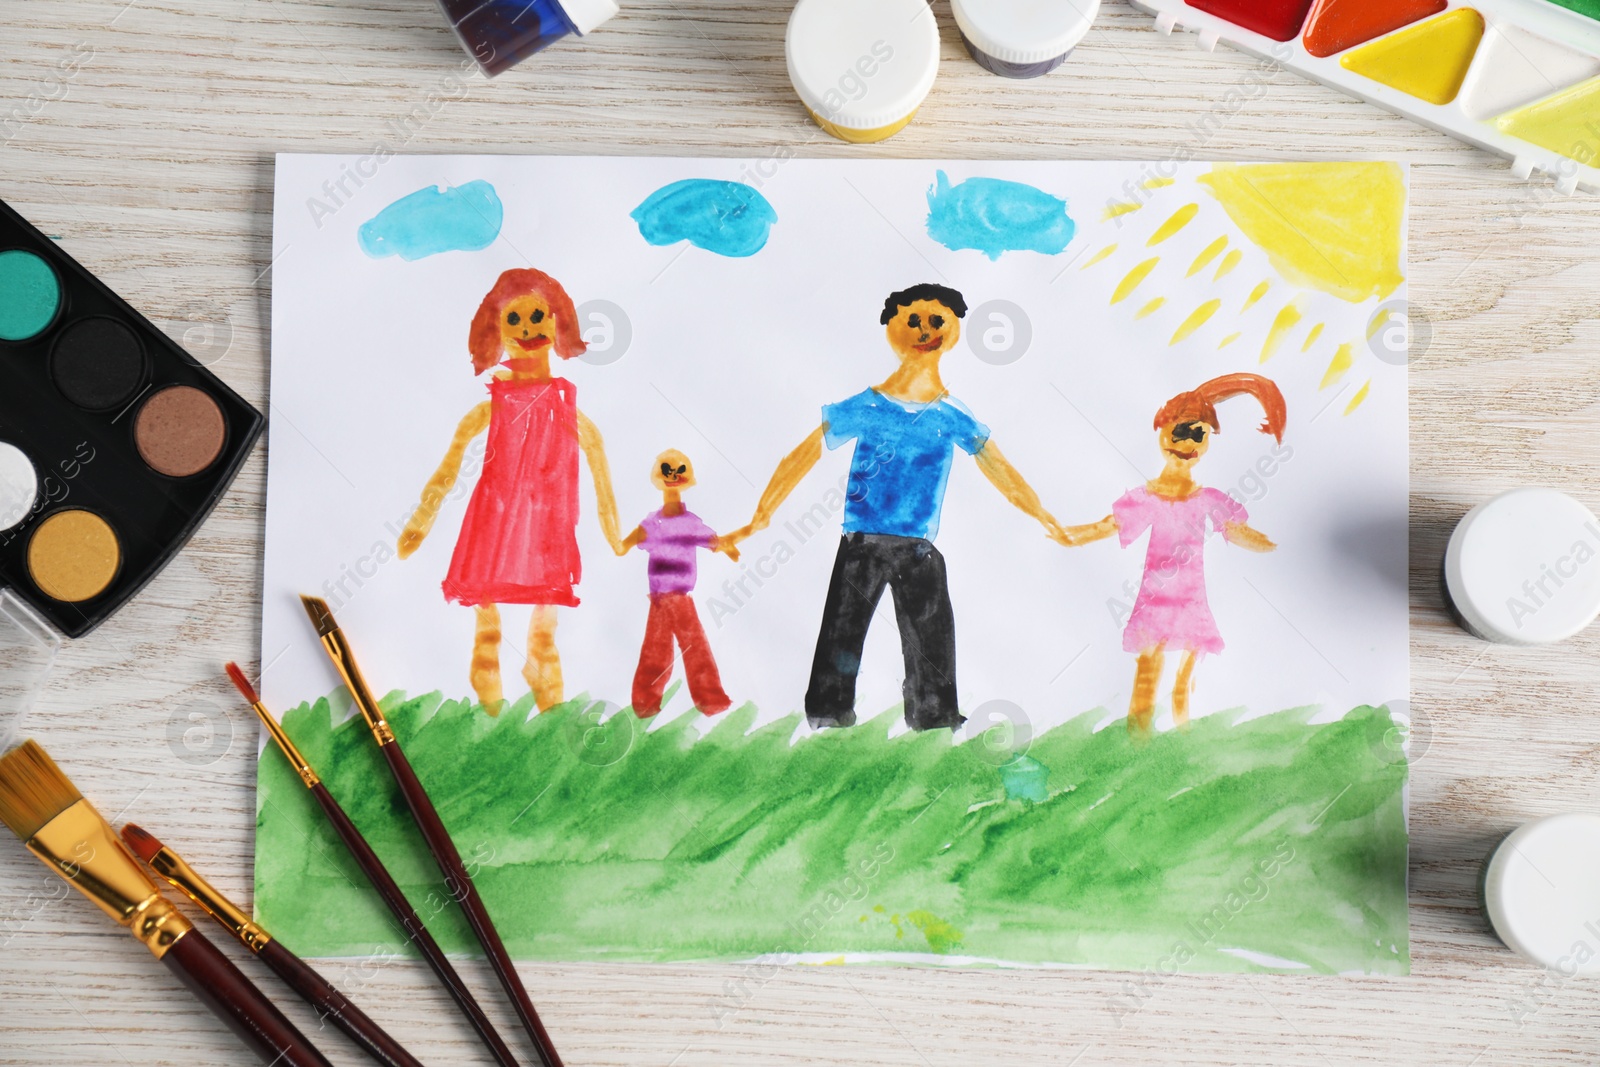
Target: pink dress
(1171,608)
(519,542)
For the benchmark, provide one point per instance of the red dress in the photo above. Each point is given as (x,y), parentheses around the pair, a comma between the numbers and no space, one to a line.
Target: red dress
(519,541)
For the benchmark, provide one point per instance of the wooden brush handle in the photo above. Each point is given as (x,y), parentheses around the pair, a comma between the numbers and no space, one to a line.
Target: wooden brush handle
(401,908)
(220,986)
(459,882)
(332,1005)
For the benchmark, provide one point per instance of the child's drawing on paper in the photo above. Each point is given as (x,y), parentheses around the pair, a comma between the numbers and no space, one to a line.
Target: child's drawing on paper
(888,719)
(906,430)
(671,536)
(518,542)
(1171,613)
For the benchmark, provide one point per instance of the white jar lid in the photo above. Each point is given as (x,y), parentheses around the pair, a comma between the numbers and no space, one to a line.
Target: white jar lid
(1025,31)
(862,64)
(588,14)
(1524,568)
(1541,890)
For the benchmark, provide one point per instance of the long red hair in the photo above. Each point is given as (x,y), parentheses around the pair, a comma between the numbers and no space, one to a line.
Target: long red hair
(1200,403)
(484,339)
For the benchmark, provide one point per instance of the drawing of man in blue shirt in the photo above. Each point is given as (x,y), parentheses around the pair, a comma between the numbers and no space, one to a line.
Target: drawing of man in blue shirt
(906,431)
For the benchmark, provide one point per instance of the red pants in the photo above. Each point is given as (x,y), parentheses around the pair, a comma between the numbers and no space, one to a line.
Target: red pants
(673,617)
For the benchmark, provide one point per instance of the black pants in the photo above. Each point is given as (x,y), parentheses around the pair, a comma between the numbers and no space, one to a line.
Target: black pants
(913,570)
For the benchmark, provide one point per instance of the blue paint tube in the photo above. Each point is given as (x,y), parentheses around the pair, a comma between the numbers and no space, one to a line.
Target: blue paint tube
(499,34)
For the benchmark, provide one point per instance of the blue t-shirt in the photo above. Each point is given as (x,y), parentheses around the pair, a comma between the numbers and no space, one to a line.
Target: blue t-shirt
(902,459)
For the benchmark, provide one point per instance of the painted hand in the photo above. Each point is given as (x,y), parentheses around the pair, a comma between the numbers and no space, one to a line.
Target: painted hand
(726,547)
(410,539)
(733,537)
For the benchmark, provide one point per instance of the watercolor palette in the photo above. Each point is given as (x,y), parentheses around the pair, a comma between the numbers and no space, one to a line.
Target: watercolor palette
(114,442)
(1520,78)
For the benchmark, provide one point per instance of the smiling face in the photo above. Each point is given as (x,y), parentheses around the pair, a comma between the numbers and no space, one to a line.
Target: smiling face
(526,327)
(672,471)
(923,329)
(1183,443)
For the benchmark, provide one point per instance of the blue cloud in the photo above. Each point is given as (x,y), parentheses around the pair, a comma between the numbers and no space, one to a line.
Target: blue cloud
(460,218)
(995,216)
(728,218)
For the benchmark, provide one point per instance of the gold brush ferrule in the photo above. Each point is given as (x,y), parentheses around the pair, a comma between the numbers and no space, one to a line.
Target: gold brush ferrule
(345,661)
(84,851)
(169,865)
(286,746)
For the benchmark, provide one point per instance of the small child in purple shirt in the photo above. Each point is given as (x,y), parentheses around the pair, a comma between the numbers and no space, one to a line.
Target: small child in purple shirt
(671,537)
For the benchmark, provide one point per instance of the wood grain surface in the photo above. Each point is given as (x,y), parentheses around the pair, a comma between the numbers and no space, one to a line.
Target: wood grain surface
(142,135)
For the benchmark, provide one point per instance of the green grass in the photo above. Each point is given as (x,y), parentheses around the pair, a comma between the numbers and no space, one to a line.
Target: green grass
(602,841)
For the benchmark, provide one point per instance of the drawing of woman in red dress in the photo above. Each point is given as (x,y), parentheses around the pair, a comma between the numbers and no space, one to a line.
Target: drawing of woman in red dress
(518,542)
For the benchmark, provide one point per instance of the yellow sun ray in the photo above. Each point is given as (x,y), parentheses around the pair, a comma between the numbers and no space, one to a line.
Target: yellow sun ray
(1230,261)
(1361,394)
(1131,280)
(1180,218)
(1211,251)
(1287,320)
(1311,338)
(1116,209)
(1151,308)
(1341,362)
(1255,296)
(1197,319)
(1228,340)
(1098,256)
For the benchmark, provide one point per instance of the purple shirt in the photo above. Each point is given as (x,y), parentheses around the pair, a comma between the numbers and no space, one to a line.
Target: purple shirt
(671,541)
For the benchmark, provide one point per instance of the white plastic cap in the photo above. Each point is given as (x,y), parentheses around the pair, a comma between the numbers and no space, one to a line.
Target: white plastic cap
(1524,568)
(588,14)
(1025,31)
(1541,891)
(862,64)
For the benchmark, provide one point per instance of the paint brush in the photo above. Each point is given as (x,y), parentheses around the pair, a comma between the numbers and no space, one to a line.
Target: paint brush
(377,874)
(45,810)
(299,976)
(432,827)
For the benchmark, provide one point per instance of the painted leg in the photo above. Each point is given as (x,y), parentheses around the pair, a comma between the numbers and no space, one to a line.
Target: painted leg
(542,669)
(860,571)
(1146,678)
(655,660)
(1182,688)
(700,667)
(485,673)
(927,625)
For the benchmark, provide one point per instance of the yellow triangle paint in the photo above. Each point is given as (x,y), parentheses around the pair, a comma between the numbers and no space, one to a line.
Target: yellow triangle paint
(1228,340)
(1098,256)
(1199,318)
(1567,123)
(1131,282)
(1180,218)
(1211,251)
(1117,208)
(1287,320)
(1428,61)
(1311,339)
(1379,321)
(1157,183)
(1361,394)
(1340,363)
(1255,296)
(1151,308)
(1229,261)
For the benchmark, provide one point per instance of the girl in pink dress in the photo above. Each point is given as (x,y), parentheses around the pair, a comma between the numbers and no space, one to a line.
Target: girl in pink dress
(1171,612)
(518,542)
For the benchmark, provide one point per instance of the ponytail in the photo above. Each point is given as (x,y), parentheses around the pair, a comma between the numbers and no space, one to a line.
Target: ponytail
(1200,404)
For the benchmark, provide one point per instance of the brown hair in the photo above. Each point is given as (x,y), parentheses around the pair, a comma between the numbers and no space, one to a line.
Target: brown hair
(484,339)
(1200,404)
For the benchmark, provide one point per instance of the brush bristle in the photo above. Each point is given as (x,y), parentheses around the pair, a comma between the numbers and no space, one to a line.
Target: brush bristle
(241,683)
(145,845)
(321,616)
(32,789)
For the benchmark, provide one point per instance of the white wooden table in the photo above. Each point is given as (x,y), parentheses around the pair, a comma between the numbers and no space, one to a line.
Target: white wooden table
(152,162)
